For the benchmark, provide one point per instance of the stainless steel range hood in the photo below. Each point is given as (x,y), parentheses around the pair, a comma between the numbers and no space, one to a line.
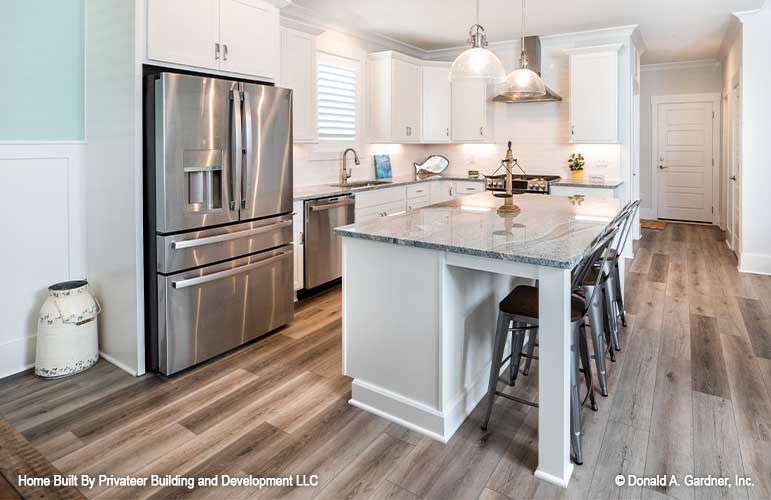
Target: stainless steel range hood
(533,49)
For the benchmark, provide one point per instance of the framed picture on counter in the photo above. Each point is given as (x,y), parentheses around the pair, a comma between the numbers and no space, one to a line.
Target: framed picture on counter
(383,167)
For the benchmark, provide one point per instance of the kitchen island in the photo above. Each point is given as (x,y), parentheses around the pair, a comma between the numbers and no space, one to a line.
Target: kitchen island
(420,303)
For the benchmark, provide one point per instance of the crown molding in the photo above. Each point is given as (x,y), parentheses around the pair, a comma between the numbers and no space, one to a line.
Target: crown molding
(300,26)
(745,15)
(309,17)
(670,66)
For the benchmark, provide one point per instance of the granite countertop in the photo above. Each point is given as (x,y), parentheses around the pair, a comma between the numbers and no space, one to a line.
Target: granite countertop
(551,231)
(324,190)
(604,184)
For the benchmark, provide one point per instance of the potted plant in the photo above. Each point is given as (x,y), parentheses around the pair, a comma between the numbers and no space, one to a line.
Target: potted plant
(576,164)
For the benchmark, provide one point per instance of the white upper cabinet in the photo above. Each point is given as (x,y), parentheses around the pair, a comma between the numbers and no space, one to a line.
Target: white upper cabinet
(435,127)
(594,93)
(237,36)
(471,111)
(298,72)
(394,98)
(184,32)
(249,34)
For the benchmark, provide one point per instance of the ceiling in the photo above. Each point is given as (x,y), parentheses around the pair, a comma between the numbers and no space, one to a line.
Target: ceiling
(673,30)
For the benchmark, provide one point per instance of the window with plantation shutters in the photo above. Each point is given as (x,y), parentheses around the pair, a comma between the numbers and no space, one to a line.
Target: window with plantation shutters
(337,82)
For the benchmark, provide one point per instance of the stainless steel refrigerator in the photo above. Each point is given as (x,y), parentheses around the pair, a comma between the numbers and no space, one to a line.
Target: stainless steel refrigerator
(218,221)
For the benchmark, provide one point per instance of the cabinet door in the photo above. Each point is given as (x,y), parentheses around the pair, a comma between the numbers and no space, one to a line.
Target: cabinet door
(436,105)
(594,97)
(441,191)
(405,101)
(249,33)
(183,32)
(469,111)
(298,72)
(298,228)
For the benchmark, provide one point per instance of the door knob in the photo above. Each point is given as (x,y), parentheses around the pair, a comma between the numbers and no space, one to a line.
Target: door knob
(662,167)
(733,177)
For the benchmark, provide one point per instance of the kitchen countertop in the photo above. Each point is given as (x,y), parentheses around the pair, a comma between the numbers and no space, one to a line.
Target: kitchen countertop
(550,231)
(324,190)
(605,184)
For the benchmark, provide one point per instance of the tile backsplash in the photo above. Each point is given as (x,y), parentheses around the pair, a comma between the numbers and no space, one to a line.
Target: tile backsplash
(314,165)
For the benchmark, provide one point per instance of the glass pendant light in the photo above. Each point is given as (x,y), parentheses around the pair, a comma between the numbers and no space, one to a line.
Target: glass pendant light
(478,61)
(523,82)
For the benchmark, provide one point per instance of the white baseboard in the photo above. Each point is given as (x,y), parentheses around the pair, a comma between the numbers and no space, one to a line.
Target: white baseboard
(17,355)
(120,365)
(549,478)
(754,263)
(410,414)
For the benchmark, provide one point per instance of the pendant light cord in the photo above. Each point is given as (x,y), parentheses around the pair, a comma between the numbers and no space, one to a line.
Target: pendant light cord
(477,11)
(523,56)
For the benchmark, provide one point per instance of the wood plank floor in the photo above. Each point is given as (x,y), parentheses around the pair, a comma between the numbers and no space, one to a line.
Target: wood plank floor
(689,394)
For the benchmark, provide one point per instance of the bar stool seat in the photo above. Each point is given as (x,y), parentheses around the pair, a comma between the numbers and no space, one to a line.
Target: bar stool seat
(523,302)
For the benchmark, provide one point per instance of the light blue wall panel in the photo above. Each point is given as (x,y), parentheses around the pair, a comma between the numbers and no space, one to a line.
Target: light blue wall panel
(41,75)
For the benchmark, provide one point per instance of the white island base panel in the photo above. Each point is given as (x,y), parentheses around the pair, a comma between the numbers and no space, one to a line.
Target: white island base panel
(418,330)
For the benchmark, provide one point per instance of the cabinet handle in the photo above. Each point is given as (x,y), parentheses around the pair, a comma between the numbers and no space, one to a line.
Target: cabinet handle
(481,131)
(447,132)
(225,52)
(572,130)
(216,51)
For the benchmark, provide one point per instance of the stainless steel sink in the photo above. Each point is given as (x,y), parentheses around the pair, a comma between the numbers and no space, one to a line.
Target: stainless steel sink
(361,184)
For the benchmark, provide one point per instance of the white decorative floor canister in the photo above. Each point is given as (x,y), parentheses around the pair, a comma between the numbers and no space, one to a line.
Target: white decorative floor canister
(67,340)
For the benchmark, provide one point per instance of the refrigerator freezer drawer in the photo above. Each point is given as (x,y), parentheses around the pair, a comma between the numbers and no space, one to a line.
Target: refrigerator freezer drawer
(208,311)
(186,251)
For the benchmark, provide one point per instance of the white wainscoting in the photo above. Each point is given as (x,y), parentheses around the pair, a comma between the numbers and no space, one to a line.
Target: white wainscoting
(42,185)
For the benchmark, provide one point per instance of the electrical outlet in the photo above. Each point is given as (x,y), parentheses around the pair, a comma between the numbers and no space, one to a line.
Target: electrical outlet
(601,164)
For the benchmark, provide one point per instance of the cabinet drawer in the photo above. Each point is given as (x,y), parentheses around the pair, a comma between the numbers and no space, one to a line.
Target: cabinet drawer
(469,187)
(370,213)
(582,191)
(417,191)
(418,202)
(380,197)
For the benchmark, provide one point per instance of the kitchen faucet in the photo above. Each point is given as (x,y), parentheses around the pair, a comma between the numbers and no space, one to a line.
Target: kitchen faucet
(345,172)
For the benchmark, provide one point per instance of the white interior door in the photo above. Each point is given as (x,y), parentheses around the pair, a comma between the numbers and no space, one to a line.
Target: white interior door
(685,161)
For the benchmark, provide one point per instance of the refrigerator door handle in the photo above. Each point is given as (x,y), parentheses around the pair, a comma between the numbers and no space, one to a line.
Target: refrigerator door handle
(236,150)
(247,142)
(228,273)
(181,245)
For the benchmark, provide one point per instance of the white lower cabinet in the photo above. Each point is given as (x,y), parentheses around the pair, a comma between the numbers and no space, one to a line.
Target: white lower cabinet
(298,237)
(441,191)
(380,203)
(592,192)
(468,187)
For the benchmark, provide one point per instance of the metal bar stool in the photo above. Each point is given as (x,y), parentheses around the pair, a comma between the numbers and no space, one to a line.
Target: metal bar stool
(520,309)
(615,306)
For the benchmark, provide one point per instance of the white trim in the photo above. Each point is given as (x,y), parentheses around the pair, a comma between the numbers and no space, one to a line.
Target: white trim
(9,361)
(311,17)
(296,25)
(678,65)
(647,213)
(607,47)
(42,143)
(755,263)
(120,365)
(549,478)
(373,399)
(714,98)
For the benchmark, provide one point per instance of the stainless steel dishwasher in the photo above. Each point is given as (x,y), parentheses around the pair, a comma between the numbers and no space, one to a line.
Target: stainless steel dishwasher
(323,248)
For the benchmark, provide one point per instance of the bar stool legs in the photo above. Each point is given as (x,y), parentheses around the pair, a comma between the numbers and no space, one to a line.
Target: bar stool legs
(579,354)
(501,334)
(598,322)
